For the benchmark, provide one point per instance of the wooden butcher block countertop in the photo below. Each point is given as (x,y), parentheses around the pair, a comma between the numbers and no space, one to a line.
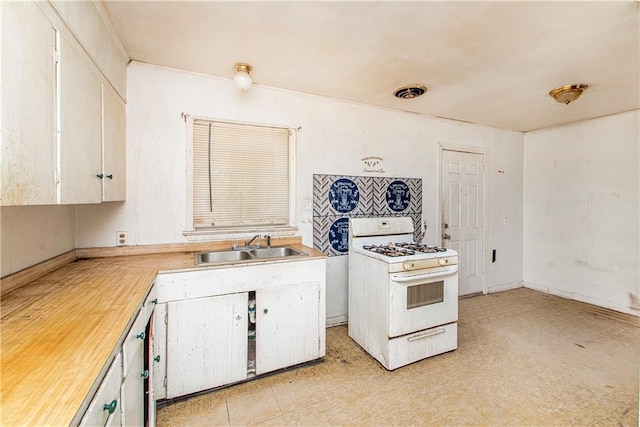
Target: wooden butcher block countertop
(61,331)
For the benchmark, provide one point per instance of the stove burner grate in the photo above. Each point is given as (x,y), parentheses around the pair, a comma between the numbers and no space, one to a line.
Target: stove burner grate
(389,250)
(420,247)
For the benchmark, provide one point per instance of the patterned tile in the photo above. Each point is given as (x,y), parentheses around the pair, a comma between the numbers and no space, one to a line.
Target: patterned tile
(336,198)
(331,234)
(393,196)
(342,195)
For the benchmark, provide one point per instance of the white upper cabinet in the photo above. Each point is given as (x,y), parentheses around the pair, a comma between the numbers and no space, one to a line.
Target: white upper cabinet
(63,106)
(80,165)
(98,38)
(114,147)
(28,106)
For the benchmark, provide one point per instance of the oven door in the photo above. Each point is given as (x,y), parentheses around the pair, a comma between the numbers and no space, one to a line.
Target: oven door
(422,299)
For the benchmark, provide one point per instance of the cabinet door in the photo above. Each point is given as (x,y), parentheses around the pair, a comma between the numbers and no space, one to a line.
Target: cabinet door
(151,363)
(80,129)
(160,351)
(286,326)
(133,392)
(206,343)
(106,405)
(114,147)
(28,106)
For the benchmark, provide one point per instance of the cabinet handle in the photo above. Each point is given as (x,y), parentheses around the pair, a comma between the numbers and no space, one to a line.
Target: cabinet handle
(100,175)
(154,301)
(111,407)
(238,317)
(157,358)
(265,311)
(110,176)
(141,335)
(145,374)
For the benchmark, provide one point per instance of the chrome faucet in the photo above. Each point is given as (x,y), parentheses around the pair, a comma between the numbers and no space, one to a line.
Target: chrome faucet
(248,244)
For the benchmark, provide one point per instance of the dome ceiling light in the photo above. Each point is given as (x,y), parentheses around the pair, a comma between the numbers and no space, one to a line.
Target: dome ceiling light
(568,93)
(410,91)
(242,78)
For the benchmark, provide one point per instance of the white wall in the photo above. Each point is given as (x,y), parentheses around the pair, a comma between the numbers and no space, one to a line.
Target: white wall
(581,211)
(32,234)
(335,136)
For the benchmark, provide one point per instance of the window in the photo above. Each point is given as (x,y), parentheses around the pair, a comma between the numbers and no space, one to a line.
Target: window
(241,176)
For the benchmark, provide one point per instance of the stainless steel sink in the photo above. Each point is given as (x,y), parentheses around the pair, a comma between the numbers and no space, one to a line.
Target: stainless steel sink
(278,252)
(229,256)
(222,256)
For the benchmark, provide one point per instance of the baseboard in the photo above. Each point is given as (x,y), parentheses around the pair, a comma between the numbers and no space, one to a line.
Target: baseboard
(337,320)
(505,287)
(583,298)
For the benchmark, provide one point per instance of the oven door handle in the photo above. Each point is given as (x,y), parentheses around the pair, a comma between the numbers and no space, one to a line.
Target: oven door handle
(426,335)
(402,279)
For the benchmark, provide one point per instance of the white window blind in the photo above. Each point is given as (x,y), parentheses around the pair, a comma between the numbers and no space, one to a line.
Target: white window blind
(240,174)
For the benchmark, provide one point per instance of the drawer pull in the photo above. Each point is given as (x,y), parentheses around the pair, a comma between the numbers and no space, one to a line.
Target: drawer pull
(100,176)
(110,407)
(145,374)
(110,176)
(426,335)
(141,335)
(157,358)
(265,311)
(154,301)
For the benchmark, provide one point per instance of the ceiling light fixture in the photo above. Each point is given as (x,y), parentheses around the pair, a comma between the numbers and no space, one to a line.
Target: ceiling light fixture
(410,91)
(242,78)
(568,93)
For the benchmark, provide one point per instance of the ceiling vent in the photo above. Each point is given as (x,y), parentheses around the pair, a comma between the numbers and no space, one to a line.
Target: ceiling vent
(410,91)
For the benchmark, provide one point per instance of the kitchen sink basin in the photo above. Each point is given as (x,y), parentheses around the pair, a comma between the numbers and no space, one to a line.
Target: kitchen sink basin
(229,256)
(279,252)
(222,256)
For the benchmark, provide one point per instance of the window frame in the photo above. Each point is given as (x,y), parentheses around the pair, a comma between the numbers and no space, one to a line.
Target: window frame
(221,233)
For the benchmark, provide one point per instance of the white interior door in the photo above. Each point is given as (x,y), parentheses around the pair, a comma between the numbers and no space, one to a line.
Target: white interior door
(462,190)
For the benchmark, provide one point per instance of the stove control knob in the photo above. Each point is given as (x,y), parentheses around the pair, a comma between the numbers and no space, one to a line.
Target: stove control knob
(443,261)
(408,266)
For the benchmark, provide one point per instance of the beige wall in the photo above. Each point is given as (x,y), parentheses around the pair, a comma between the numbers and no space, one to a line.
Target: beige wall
(581,211)
(32,234)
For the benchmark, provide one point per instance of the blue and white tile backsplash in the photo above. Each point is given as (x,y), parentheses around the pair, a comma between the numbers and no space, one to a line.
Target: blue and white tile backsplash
(336,198)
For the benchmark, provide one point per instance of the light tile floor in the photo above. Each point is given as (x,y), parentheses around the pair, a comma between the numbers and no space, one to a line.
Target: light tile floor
(523,358)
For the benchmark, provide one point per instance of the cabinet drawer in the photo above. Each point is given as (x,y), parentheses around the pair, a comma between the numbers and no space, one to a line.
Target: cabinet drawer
(411,348)
(102,409)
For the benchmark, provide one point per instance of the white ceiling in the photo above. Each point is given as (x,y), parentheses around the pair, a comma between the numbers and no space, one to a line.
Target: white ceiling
(484,62)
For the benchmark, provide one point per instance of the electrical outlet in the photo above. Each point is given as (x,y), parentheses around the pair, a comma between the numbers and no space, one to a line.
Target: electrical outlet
(121,238)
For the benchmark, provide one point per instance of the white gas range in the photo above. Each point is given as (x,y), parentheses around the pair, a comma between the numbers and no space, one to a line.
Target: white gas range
(403,296)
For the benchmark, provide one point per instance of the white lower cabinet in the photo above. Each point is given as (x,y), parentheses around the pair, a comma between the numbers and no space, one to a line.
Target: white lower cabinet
(104,409)
(286,326)
(208,334)
(206,343)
